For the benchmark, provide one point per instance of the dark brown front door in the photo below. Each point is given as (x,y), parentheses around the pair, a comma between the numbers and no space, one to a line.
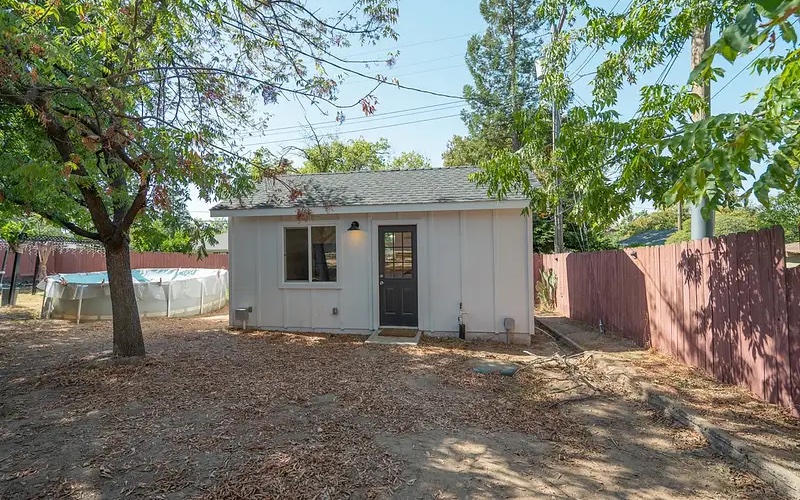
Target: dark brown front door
(397,273)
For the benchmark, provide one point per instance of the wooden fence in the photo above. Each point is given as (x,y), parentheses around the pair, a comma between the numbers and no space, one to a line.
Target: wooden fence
(727,305)
(71,262)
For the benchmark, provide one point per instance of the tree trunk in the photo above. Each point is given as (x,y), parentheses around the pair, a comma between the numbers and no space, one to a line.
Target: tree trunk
(128,340)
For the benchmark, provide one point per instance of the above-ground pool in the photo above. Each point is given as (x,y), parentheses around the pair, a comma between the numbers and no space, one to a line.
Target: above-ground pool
(159,292)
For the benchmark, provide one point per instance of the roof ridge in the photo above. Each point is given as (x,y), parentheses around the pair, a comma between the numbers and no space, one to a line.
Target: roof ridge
(377,171)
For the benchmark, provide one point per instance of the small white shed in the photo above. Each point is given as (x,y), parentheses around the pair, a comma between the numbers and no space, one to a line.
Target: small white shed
(358,251)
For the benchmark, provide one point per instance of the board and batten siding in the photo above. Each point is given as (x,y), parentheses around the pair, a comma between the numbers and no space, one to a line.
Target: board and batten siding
(481,258)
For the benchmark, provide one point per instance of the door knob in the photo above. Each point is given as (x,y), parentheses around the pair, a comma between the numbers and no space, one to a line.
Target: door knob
(380,282)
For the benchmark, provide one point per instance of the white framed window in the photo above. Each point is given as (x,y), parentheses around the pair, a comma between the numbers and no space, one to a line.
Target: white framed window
(309,254)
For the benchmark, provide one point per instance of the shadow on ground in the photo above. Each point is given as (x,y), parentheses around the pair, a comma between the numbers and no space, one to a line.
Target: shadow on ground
(212,413)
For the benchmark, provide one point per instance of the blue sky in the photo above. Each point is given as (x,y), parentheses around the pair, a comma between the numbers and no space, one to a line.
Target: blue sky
(432,40)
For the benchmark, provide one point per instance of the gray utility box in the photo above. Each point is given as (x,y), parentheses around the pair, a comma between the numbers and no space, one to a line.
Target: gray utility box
(241,315)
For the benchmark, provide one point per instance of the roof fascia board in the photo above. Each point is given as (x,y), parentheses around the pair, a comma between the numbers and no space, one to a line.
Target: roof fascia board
(363,209)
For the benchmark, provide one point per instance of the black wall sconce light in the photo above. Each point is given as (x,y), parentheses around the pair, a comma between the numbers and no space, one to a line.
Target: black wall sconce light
(354,226)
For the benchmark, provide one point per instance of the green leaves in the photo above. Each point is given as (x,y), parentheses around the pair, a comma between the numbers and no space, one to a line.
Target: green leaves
(112,110)
(358,154)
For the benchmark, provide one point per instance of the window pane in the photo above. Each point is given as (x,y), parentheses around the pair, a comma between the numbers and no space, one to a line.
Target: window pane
(323,253)
(296,253)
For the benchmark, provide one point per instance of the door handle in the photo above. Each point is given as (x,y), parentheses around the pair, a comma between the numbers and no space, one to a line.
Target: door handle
(380,282)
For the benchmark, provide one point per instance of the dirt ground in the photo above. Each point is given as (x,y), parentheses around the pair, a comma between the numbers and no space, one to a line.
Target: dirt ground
(213,413)
(769,428)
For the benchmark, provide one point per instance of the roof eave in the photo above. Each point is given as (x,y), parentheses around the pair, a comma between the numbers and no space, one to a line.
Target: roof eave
(363,209)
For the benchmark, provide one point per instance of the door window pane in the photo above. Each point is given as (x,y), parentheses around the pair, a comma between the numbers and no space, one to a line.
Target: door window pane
(296,253)
(398,261)
(323,253)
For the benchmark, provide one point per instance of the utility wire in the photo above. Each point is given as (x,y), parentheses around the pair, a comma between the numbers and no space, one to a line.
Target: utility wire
(424,42)
(749,65)
(432,107)
(401,65)
(360,130)
(326,126)
(429,70)
(611,11)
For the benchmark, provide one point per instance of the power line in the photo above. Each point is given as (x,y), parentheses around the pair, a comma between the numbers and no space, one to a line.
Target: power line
(443,58)
(300,128)
(591,56)
(667,69)
(611,11)
(749,65)
(581,99)
(429,70)
(433,107)
(361,130)
(424,42)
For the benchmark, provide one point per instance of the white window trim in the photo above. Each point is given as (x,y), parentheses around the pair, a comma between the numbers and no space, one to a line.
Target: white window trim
(304,285)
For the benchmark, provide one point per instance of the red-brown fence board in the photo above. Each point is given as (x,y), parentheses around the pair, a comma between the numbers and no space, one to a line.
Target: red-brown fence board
(85,262)
(782,363)
(726,305)
(793,330)
(26,264)
(74,262)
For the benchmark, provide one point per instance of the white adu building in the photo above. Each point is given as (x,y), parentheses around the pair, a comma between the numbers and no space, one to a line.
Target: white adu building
(360,251)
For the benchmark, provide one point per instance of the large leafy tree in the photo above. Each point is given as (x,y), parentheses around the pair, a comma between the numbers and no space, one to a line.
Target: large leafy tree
(111,108)
(660,153)
(728,221)
(408,160)
(173,231)
(502,64)
(783,210)
(664,154)
(470,150)
(344,156)
(725,148)
(357,154)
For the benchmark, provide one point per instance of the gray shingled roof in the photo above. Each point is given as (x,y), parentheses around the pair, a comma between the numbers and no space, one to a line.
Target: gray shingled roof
(382,187)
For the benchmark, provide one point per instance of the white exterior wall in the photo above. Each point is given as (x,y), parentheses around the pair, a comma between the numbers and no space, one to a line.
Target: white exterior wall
(481,258)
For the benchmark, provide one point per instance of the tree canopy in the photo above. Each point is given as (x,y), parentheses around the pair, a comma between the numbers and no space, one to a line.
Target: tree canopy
(660,154)
(501,62)
(408,160)
(782,210)
(469,150)
(358,154)
(728,221)
(111,108)
(663,155)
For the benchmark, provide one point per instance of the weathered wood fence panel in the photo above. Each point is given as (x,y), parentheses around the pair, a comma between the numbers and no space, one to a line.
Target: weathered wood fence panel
(793,320)
(726,305)
(72,262)
(89,262)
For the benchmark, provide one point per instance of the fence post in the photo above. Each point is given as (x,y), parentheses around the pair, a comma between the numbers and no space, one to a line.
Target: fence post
(35,273)
(80,304)
(12,299)
(167,295)
(202,293)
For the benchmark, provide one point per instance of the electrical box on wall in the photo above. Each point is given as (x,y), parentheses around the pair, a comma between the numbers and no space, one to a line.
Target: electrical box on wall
(335,311)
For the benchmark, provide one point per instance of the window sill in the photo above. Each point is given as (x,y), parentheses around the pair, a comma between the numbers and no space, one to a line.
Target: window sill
(310,286)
